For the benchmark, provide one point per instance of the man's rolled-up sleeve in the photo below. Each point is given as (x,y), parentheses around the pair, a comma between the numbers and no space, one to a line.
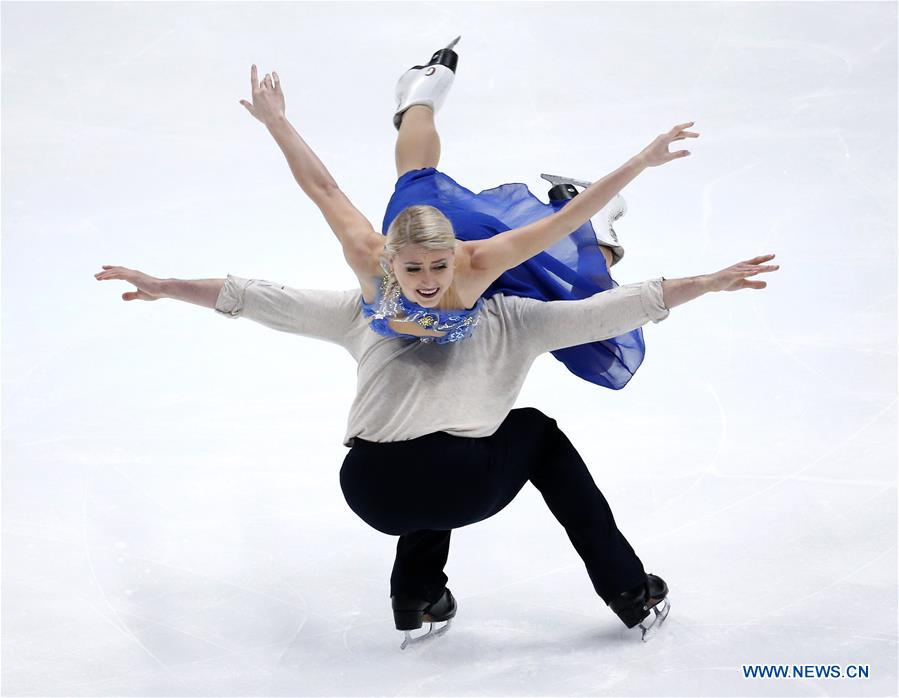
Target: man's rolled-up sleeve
(552,325)
(324,314)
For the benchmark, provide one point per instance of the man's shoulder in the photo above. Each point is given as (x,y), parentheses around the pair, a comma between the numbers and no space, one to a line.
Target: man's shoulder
(501,300)
(509,309)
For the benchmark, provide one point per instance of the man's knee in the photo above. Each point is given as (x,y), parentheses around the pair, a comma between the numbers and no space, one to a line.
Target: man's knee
(540,429)
(532,414)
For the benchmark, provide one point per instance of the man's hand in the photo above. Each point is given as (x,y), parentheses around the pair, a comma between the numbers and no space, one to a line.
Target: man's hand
(149,288)
(734,278)
(268,99)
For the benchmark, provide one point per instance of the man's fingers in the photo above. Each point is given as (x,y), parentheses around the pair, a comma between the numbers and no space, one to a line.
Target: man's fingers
(268,80)
(760,270)
(759,259)
(277,80)
(254,84)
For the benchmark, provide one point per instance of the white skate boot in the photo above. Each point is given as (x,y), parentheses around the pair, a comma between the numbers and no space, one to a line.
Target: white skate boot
(427,84)
(564,188)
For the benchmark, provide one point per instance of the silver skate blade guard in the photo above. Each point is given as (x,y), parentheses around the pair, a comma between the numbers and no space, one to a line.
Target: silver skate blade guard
(430,635)
(657,620)
(558,179)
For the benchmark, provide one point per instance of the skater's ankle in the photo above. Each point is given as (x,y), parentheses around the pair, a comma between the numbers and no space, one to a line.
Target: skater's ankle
(607,255)
(419,111)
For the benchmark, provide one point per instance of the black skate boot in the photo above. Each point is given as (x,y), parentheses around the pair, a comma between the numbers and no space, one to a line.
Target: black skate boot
(633,606)
(410,612)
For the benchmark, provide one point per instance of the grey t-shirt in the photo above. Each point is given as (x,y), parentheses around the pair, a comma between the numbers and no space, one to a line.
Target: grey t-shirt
(406,388)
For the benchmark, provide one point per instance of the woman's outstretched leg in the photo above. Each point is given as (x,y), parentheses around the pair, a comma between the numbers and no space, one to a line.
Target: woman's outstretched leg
(418,144)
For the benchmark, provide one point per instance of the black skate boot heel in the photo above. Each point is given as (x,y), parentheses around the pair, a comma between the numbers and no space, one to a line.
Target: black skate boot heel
(445,56)
(633,606)
(410,612)
(563,187)
(562,192)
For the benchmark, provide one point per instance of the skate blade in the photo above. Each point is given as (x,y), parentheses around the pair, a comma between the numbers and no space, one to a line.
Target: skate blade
(557,179)
(660,615)
(430,635)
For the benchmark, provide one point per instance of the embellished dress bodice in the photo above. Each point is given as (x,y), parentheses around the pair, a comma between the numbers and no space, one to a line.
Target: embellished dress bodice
(391,310)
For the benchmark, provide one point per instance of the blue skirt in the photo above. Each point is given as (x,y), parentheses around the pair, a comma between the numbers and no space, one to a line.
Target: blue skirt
(572,269)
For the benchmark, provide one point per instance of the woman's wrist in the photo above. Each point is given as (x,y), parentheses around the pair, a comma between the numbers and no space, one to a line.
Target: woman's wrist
(638,162)
(277,122)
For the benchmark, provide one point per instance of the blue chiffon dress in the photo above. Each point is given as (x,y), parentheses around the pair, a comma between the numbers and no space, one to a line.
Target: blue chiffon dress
(572,269)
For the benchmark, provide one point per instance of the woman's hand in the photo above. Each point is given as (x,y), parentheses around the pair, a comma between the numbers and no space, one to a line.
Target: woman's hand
(268,99)
(656,153)
(149,288)
(734,278)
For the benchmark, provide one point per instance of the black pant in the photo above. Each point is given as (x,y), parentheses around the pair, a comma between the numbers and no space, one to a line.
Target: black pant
(423,488)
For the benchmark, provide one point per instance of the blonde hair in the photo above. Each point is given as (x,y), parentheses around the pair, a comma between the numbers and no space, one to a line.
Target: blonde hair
(420,225)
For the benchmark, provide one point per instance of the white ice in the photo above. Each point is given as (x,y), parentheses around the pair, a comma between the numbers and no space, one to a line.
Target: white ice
(172,517)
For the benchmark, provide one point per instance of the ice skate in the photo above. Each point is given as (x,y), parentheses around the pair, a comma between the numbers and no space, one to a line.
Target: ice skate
(427,84)
(633,606)
(410,612)
(565,188)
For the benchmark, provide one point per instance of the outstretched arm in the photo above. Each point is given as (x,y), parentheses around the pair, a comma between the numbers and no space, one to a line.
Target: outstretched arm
(559,324)
(328,315)
(360,242)
(493,256)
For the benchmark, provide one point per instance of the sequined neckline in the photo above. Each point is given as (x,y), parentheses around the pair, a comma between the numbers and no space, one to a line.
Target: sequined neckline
(391,304)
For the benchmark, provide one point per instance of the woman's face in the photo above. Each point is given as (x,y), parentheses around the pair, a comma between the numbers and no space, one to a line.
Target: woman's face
(423,275)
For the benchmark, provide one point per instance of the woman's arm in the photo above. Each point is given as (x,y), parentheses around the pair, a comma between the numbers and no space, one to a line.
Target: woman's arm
(351,227)
(493,256)
(360,242)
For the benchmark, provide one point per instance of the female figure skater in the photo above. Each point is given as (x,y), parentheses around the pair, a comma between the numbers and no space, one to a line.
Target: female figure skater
(575,266)
(434,443)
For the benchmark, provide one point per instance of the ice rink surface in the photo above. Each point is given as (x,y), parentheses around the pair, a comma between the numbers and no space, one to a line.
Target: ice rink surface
(172,517)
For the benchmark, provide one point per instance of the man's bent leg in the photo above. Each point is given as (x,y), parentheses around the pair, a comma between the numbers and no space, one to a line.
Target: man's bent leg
(534,443)
(418,568)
